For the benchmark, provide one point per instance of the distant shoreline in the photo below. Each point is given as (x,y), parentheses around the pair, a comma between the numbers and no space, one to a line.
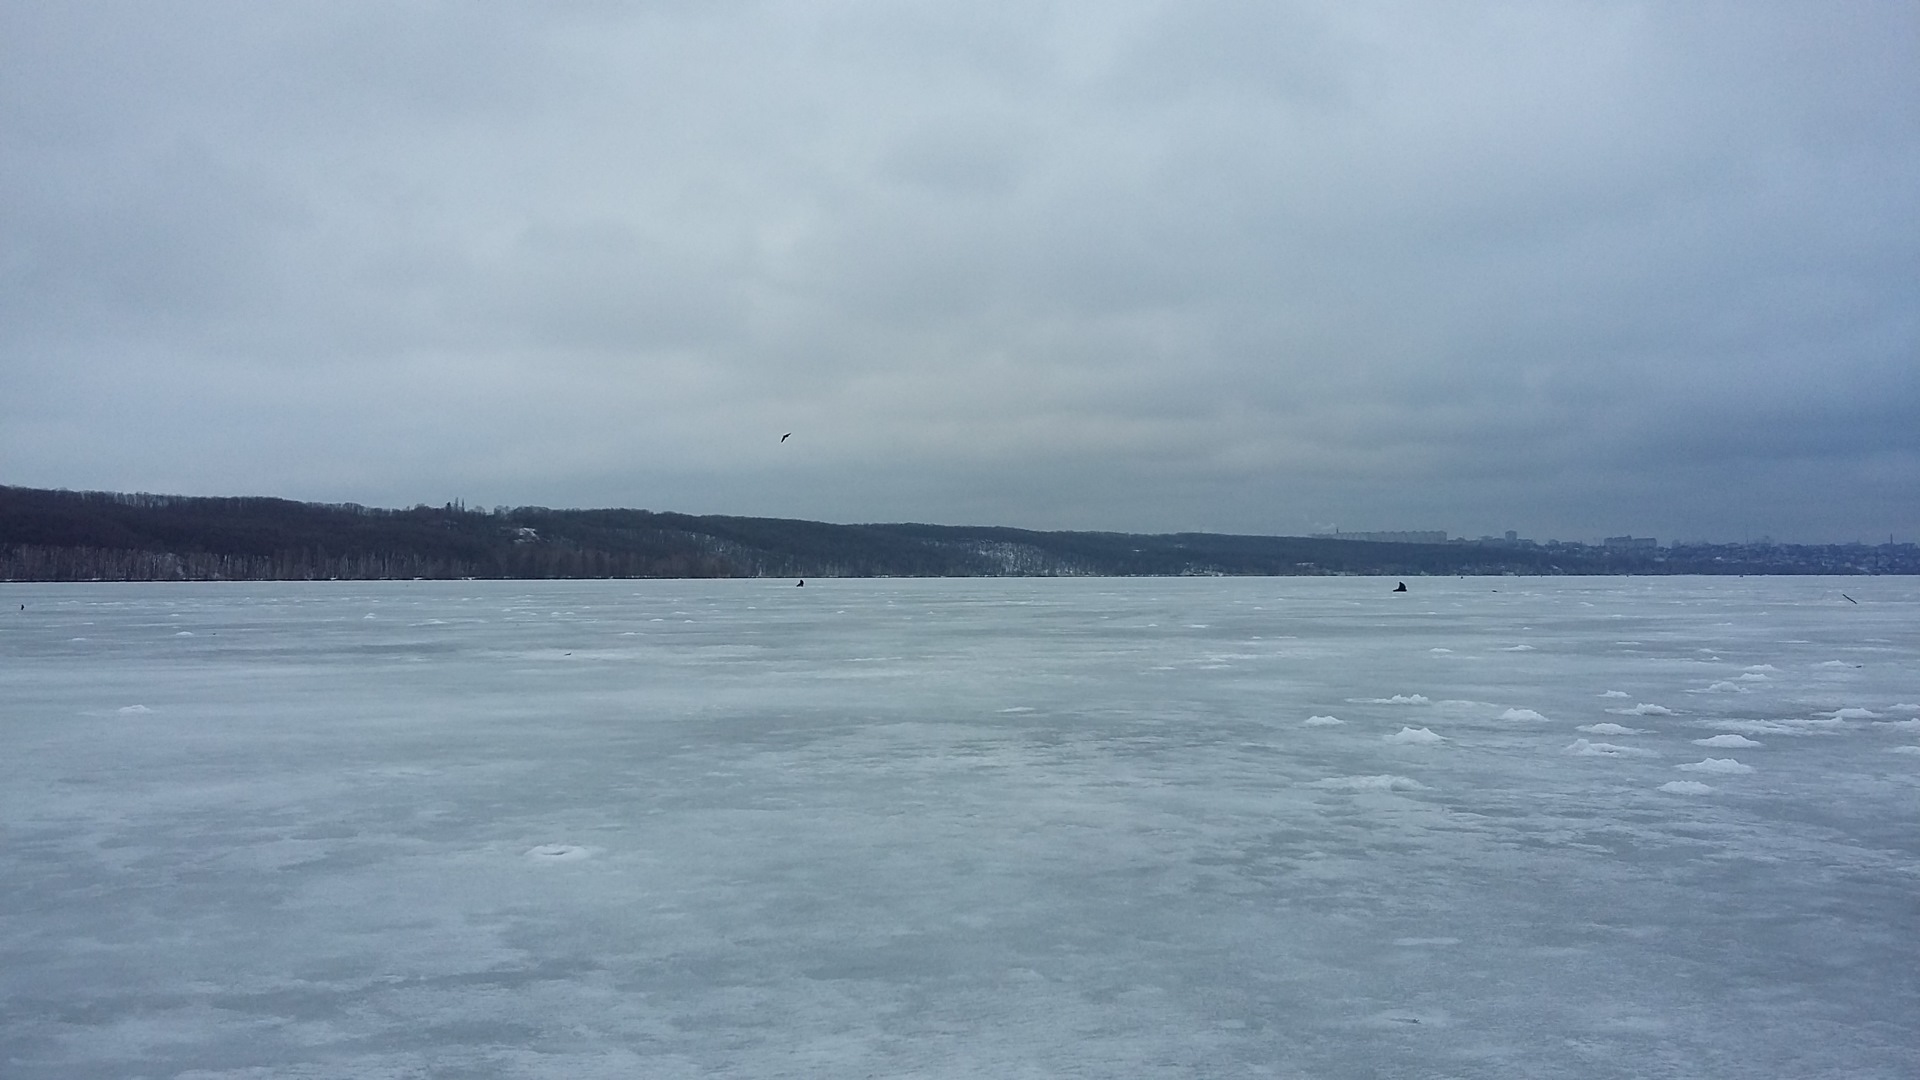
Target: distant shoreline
(49,536)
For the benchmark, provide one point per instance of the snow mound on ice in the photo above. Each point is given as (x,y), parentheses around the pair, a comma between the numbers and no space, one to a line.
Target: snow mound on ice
(133,710)
(1643,709)
(1383,782)
(1728,739)
(1686,787)
(1585,748)
(1852,714)
(1609,729)
(1414,736)
(1521,714)
(1401,699)
(1321,721)
(1725,765)
(1906,749)
(1614,693)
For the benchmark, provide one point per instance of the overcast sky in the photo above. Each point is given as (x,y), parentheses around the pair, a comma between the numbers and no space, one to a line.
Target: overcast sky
(1575,269)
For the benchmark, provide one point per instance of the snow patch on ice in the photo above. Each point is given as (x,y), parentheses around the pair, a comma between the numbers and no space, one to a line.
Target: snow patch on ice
(1906,749)
(1321,721)
(1414,736)
(1439,650)
(1400,699)
(1382,782)
(184,633)
(1852,714)
(131,710)
(1777,727)
(1609,729)
(1643,709)
(1753,676)
(1729,739)
(1725,765)
(1521,714)
(1410,1019)
(1518,648)
(1614,693)
(1584,748)
(1727,688)
(1834,664)
(1758,668)
(1900,725)
(1686,787)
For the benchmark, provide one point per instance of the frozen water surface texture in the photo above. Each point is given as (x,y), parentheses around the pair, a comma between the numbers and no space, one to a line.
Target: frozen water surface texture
(985,828)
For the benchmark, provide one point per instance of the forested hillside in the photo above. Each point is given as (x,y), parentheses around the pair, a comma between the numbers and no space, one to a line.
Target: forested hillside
(101,536)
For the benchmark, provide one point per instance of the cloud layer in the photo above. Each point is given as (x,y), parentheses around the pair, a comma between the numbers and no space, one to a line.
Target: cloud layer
(1571,269)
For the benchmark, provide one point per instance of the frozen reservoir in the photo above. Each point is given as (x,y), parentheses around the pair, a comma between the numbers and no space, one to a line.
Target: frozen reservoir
(1253,827)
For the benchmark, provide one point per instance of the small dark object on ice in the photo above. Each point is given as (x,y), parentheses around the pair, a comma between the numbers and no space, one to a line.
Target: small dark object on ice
(1843,596)
(803,582)
(1402,587)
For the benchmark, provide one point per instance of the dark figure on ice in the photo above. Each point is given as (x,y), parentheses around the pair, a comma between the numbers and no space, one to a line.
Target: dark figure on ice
(1402,587)
(802,584)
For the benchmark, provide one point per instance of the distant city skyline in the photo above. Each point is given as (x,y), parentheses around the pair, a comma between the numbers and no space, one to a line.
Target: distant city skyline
(1570,269)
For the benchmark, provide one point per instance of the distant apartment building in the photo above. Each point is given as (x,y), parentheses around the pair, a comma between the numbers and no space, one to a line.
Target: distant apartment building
(1629,543)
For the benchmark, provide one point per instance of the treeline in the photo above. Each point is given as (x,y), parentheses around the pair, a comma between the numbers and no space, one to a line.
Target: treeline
(103,536)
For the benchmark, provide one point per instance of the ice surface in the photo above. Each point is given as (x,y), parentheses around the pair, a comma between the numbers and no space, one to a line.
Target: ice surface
(943,829)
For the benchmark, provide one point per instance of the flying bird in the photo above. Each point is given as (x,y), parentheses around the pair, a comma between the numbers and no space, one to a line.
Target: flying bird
(787,436)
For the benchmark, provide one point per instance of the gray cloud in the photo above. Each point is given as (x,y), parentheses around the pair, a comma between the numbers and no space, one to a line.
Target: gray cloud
(1572,268)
